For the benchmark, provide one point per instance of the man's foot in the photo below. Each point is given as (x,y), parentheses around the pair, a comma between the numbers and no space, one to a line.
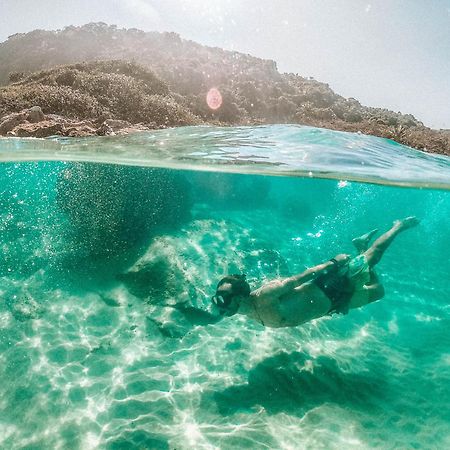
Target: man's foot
(408,222)
(362,242)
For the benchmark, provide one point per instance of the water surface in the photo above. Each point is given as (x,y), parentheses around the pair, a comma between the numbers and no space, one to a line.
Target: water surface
(94,256)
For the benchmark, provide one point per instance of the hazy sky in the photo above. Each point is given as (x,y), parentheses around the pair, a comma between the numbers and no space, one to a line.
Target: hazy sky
(387,53)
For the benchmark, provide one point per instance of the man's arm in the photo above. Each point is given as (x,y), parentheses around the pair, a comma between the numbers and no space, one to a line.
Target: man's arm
(288,284)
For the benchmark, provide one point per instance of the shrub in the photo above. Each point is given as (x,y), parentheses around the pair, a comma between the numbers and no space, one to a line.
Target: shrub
(117,89)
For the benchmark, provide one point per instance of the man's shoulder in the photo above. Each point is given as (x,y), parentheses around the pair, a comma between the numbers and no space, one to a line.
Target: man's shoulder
(268,287)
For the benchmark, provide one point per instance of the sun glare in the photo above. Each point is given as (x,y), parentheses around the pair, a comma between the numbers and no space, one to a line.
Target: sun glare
(214,98)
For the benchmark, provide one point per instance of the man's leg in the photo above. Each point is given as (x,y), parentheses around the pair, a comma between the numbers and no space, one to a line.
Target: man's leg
(362,242)
(376,251)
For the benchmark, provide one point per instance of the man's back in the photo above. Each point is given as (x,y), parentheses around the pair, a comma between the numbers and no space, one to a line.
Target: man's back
(274,307)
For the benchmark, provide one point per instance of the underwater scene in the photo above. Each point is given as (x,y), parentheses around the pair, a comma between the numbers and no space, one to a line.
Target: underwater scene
(109,245)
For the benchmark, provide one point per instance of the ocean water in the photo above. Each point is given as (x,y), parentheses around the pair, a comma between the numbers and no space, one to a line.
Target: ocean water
(102,238)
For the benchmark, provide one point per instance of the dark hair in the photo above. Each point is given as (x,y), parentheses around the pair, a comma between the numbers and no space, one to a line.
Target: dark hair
(238,283)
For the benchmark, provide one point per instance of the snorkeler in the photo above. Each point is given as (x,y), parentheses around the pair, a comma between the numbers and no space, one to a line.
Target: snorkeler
(335,286)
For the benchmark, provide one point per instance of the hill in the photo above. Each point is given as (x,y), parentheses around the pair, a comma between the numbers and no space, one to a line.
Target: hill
(252,89)
(85,97)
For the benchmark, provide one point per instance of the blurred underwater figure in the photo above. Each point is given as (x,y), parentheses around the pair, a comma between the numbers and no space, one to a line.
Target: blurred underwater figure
(335,286)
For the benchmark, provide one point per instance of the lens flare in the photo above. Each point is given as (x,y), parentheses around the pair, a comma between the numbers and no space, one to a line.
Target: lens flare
(214,99)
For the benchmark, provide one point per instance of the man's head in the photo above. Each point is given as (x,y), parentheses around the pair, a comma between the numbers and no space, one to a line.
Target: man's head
(229,293)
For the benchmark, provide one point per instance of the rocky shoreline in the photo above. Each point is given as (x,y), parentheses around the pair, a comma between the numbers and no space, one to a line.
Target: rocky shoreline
(33,122)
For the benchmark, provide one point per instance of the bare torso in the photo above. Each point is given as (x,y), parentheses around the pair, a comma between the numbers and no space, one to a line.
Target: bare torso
(302,304)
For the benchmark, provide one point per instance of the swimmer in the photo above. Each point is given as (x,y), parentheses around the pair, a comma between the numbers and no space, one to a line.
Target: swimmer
(335,286)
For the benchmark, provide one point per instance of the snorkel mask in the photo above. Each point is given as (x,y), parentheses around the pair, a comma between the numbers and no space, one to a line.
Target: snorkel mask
(222,300)
(228,288)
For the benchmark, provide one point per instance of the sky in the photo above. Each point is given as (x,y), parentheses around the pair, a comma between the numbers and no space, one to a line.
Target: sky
(393,54)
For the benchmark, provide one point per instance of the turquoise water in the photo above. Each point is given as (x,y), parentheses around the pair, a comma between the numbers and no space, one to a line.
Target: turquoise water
(93,355)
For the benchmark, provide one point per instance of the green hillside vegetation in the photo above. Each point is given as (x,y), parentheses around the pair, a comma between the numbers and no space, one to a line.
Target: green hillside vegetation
(106,89)
(253,90)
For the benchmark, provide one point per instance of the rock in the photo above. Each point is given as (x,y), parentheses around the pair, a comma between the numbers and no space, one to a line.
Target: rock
(80,130)
(156,276)
(111,127)
(116,125)
(22,119)
(35,115)
(39,130)
(165,275)
(33,123)
(101,118)
(184,268)
(133,129)
(61,119)
(9,122)
(24,307)
(23,298)
(29,124)
(105,130)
